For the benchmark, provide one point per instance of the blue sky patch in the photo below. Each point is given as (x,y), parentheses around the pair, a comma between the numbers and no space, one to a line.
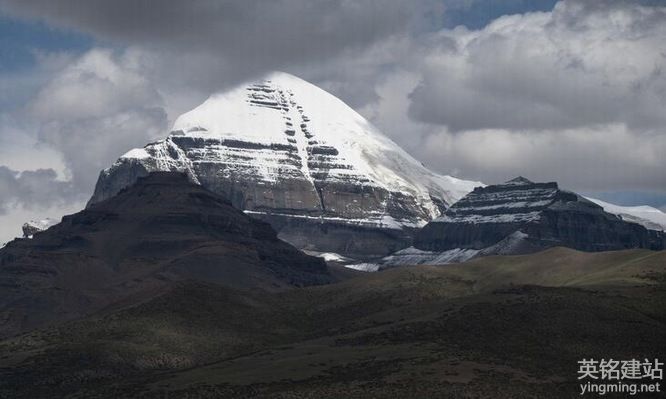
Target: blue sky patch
(477,14)
(20,39)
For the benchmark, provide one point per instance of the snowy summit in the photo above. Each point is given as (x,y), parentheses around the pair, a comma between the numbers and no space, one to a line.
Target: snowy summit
(287,151)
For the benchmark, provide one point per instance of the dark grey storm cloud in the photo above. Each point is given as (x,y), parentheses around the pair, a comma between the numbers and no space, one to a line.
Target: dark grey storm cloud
(223,41)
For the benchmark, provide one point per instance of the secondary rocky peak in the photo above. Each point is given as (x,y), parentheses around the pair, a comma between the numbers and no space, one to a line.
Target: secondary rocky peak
(522,216)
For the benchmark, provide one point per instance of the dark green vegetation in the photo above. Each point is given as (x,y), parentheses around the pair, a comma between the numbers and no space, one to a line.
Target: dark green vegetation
(496,327)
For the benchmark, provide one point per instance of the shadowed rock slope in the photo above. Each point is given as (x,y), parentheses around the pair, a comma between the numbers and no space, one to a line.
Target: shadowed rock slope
(134,245)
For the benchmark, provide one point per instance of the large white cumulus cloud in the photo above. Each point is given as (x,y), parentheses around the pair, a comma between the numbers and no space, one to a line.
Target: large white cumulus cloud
(583,63)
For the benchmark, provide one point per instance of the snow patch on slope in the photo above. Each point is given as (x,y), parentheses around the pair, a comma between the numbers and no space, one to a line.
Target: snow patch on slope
(412,256)
(364,267)
(136,153)
(35,226)
(330,256)
(651,218)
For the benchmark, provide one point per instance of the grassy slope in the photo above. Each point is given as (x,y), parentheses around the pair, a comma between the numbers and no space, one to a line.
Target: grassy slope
(498,326)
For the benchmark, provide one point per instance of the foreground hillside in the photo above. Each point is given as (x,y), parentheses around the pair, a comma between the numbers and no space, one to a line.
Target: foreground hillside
(504,327)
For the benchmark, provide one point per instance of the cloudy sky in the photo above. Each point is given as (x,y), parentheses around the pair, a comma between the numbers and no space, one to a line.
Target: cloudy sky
(572,91)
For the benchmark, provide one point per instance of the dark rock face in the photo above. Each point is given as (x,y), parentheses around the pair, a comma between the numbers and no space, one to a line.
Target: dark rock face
(161,230)
(520,216)
(356,242)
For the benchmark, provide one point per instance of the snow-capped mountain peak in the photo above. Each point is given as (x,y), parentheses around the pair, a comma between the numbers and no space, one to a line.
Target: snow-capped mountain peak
(281,147)
(283,109)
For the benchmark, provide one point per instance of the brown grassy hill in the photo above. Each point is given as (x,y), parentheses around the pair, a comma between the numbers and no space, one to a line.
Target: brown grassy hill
(501,327)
